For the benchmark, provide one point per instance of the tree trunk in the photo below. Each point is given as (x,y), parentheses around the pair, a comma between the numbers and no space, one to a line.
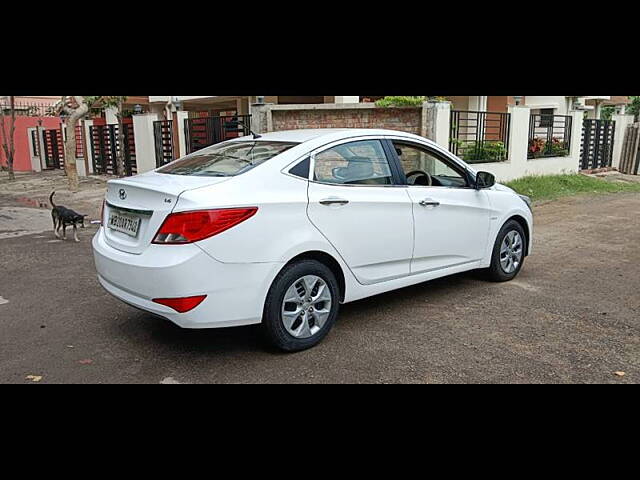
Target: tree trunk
(8,142)
(70,144)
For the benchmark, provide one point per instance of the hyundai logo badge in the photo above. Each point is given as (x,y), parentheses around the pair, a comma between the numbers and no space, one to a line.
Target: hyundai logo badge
(122,194)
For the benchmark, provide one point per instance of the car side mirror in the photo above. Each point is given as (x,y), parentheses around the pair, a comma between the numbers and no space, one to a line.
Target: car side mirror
(485,180)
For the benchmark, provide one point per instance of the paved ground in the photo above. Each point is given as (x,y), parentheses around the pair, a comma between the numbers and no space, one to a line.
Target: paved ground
(573,315)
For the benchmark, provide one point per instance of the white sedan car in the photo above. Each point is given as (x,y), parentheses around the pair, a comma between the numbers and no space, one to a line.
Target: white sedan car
(281,228)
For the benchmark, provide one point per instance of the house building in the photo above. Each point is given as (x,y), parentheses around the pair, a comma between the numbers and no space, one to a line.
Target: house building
(240,105)
(542,105)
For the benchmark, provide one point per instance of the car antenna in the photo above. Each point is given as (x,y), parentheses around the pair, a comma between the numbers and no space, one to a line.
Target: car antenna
(238,122)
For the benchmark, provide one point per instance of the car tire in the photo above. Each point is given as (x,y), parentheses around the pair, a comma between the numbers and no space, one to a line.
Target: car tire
(507,259)
(318,308)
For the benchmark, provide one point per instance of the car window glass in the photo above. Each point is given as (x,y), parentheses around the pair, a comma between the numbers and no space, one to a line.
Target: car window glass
(416,160)
(226,159)
(355,163)
(301,169)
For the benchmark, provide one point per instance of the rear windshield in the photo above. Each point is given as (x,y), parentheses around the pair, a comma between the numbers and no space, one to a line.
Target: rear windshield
(226,159)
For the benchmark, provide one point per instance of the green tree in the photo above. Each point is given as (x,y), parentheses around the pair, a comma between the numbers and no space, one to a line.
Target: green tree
(405,101)
(634,107)
(607,111)
(77,107)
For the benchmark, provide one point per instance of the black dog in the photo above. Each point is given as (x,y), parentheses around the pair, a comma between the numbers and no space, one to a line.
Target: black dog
(62,217)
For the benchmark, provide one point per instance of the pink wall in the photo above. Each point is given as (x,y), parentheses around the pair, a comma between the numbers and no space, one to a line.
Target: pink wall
(22,160)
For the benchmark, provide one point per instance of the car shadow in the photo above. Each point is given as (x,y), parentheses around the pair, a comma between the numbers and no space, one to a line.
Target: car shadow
(142,327)
(430,290)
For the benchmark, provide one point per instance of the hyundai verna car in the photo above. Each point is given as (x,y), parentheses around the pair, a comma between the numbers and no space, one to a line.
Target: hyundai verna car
(280,229)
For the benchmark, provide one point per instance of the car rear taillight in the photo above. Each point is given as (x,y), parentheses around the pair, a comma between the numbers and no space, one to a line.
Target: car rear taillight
(189,227)
(181,305)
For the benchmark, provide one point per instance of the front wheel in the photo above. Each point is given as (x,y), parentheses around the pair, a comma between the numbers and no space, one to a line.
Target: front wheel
(508,252)
(301,306)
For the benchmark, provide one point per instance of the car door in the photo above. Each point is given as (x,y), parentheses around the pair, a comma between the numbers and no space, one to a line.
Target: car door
(356,203)
(451,217)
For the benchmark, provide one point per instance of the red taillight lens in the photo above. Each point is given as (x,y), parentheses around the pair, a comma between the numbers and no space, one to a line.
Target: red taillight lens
(188,227)
(181,305)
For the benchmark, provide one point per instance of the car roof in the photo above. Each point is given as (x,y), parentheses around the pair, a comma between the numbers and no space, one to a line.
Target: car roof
(306,135)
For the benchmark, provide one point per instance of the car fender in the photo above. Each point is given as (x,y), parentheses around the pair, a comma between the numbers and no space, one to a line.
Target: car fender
(499,215)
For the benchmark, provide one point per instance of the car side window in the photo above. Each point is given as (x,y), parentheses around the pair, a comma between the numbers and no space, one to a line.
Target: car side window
(362,162)
(301,169)
(417,161)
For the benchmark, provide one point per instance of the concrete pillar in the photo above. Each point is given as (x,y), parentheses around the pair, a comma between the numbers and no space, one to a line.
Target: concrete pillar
(518,136)
(435,122)
(41,143)
(576,138)
(598,109)
(242,105)
(261,120)
(145,142)
(622,121)
(346,99)
(181,141)
(36,165)
(87,145)
(478,103)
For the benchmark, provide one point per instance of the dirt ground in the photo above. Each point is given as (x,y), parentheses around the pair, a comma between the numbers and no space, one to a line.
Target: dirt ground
(33,190)
(571,316)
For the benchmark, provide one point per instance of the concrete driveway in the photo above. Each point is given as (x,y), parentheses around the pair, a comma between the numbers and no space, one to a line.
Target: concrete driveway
(573,315)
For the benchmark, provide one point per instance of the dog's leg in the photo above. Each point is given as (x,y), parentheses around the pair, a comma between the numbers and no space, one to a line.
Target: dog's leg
(64,231)
(56,227)
(75,233)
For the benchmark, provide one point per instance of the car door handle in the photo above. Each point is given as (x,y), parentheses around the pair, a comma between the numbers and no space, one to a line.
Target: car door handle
(334,201)
(427,202)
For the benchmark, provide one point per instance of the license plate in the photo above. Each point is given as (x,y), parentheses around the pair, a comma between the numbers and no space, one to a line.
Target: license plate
(124,223)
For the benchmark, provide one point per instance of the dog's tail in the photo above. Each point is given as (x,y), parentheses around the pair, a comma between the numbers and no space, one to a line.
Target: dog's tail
(51,199)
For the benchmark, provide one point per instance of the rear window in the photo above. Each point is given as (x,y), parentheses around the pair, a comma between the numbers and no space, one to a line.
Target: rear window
(226,159)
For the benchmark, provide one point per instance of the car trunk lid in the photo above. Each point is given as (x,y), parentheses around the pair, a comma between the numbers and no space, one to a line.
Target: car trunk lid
(136,207)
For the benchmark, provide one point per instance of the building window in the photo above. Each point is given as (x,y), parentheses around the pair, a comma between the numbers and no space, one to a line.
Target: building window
(546,117)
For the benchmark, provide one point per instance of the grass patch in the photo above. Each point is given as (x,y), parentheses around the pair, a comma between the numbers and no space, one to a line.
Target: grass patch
(545,187)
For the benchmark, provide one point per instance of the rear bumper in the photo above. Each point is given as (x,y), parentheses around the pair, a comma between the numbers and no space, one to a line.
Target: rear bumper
(235,291)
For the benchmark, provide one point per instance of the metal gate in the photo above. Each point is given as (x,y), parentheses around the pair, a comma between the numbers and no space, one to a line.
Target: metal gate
(630,155)
(53,148)
(596,150)
(163,137)
(479,137)
(104,149)
(205,131)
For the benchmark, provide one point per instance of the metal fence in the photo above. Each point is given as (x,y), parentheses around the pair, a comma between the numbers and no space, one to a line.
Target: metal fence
(163,140)
(630,155)
(549,135)
(28,109)
(479,136)
(204,131)
(104,149)
(596,148)
(53,148)
(79,141)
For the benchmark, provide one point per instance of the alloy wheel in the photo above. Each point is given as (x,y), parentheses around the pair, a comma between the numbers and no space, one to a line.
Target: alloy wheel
(511,251)
(306,306)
